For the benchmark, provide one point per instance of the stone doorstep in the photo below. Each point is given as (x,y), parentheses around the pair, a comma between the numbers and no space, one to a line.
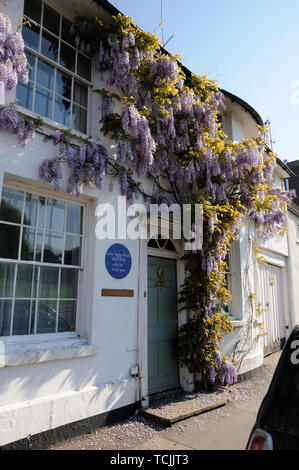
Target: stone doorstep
(154,415)
(175,392)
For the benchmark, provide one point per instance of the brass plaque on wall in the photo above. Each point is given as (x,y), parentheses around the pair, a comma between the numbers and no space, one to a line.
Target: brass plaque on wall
(117,293)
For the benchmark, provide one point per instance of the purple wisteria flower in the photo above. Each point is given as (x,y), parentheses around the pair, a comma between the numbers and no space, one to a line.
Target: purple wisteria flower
(51,172)
(13,61)
(11,120)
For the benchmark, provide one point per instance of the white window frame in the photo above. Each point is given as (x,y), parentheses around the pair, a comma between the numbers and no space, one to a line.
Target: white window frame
(57,66)
(229,284)
(163,224)
(297,232)
(79,268)
(234,308)
(44,347)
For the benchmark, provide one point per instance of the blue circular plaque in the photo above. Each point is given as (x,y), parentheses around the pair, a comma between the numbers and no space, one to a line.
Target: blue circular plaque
(118,261)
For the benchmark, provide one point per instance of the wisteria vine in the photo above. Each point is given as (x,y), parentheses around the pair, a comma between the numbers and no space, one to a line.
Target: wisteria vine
(168,132)
(13,62)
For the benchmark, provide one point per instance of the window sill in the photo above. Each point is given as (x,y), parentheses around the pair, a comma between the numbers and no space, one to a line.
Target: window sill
(49,123)
(20,353)
(235,322)
(238,323)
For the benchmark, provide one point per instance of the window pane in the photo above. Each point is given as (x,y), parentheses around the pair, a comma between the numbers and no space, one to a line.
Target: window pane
(83,67)
(25,280)
(32,9)
(25,94)
(41,211)
(21,317)
(9,241)
(31,244)
(63,85)
(53,247)
(31,36)
(46,317)
(79,118)
(45,75)
(74,216)
(72,252)
(169,246)
(31,65)
(67,315)
(65,31)
(67,57)
(68,283)
(11,205)
(38,246)
(32,320)
(43,102)
(28,242)
(6,279)
(31,206)
(34,210)
(153,243)
(5,317)
(55,215)
(62,111)
(80,94)
(51,20)
(48,282)
(49,46)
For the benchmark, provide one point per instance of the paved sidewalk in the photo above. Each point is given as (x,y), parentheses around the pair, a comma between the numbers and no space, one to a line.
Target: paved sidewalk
(225,428)
(228,431)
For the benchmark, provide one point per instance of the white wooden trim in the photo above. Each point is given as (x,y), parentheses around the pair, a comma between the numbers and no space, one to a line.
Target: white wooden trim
(178,244)
(276,260)
(162,253)
(85,277)
(43,189)
(21,354)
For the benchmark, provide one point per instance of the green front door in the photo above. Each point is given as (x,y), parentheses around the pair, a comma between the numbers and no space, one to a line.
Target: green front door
(162,325)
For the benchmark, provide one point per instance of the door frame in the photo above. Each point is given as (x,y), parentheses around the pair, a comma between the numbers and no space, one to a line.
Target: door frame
(150,255)
(278,261)
(186,379)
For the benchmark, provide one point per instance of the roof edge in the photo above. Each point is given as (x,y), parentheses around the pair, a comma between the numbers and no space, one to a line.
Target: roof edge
(108,6)
(285,167)
(244,105)
(294,210)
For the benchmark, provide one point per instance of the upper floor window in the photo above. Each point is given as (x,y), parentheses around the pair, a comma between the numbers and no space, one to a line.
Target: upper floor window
(40,260)
(59,74)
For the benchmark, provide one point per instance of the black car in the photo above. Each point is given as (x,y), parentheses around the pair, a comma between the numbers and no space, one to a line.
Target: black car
(277,423)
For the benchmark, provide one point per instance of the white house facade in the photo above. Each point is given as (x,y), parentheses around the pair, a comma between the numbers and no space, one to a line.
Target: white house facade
(76,342)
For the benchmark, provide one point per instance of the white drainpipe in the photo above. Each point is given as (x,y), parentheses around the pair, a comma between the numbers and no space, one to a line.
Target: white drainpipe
(141,333)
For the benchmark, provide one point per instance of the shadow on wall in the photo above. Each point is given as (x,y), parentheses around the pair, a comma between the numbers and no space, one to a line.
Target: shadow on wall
(47,380)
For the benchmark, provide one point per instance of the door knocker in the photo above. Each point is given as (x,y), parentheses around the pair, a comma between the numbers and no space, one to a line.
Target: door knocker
(160,273)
